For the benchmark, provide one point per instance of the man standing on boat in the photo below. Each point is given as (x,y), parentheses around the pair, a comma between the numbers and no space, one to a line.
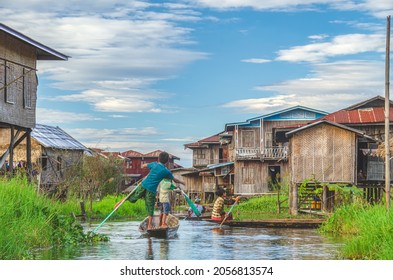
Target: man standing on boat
(148,187)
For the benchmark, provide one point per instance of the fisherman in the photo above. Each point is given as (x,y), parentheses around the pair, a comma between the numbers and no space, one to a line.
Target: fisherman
(148,187)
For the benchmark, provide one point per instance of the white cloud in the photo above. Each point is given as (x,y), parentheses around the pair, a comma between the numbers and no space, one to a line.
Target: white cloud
(330,85)
(256,60)
(348,44)
(116,46)
(46,116)
(117,101)
(377,8)
(318,37)
(143,140)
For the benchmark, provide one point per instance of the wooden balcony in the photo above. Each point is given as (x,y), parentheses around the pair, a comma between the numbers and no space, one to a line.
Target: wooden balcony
(275,153)
(247,153)
(270,153)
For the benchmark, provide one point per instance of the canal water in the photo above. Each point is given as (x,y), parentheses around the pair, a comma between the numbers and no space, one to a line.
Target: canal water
(202,240)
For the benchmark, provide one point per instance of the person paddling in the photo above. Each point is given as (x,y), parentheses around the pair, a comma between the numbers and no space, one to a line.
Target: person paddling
(148,187)
(218,213)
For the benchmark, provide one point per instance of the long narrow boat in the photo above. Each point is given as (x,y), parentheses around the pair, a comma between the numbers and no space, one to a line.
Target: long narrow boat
(273,223)
(169,232)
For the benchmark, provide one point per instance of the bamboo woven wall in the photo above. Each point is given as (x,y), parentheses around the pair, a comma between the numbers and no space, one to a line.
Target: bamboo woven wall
(17,71)
(20,150)
(325,152)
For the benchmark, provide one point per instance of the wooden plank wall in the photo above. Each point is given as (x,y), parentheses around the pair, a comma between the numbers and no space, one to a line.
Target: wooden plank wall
(18,57)
(251,177)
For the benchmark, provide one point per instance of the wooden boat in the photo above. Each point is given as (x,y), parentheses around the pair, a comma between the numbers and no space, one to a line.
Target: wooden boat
(169,232)
(187,217)
(273,223)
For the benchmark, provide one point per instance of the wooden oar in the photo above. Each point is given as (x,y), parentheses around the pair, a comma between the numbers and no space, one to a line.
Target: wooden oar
(117,206)
(192,205)
(230,210)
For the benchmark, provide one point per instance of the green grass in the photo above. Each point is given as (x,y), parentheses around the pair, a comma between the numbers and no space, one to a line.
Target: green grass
(262,207)
(134,211)
(29,221)
(367,231)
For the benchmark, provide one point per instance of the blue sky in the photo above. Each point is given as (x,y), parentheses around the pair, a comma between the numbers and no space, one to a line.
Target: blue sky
(147,75)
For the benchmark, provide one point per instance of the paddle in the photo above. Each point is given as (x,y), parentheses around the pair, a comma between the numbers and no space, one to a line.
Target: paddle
(230,210)
(117,205)
(192,205)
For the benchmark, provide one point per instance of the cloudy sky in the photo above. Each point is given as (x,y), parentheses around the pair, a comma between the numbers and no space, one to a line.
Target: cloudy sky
(147,75)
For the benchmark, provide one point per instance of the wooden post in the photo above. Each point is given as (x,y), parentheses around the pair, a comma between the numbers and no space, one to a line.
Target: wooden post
(28,156)
(387,123)
(293,205)
(11,157)
(83,210)
(325,190)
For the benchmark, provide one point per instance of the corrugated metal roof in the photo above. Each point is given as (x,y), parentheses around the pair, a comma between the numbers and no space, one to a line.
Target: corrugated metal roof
(131,153)
(359,116)
(214,139)
(55,137)
(154,154)
(43,52)
(214,166)
(277,113)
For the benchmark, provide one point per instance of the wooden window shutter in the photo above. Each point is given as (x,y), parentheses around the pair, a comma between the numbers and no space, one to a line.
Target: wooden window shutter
(28,88)
(11,76)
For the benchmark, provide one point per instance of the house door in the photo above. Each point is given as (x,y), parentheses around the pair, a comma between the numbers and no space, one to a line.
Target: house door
(274,177)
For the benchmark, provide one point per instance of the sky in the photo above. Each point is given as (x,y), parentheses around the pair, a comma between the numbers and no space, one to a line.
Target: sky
(155,75)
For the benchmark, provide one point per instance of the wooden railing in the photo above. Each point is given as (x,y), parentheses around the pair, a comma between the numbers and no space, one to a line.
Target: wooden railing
(247,153)
(274,153)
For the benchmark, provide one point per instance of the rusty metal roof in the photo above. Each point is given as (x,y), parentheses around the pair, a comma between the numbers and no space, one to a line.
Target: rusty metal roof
(154,154)
(359,116)
(131,153)
(55,137)
(214,139)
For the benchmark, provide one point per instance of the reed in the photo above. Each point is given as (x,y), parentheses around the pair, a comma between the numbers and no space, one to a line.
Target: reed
(367,231)
(29,221)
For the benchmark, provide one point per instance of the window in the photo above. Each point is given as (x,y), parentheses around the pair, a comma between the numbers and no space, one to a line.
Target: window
(59,163)
(200,154)
(44,162)
(11,77)
(28,76)
(268,139)
(248,139)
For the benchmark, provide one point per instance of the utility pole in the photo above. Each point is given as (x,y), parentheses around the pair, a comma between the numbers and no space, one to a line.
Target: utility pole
(387,110)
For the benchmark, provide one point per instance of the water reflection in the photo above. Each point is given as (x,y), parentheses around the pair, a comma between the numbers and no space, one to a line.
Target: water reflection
(204,241)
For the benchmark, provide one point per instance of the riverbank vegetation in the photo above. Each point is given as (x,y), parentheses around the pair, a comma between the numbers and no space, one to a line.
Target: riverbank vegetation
(367,231)
(29,221)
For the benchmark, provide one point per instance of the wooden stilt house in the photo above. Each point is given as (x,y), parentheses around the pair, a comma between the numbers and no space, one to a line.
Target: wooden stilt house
(18,88)
(322,153)
(259,148)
